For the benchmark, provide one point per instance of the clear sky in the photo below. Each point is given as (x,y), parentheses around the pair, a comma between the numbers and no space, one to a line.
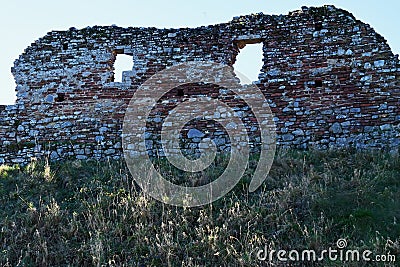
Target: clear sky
(22,22)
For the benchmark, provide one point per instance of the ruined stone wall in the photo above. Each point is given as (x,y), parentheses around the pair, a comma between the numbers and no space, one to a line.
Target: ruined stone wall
(330,80)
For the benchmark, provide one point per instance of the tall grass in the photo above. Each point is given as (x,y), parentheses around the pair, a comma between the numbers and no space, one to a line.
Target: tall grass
(88,213)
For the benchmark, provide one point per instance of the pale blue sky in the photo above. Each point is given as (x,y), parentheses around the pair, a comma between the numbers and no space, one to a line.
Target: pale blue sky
(25,21)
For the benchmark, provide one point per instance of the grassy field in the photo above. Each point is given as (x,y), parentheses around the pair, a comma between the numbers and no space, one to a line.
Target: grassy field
(88,213)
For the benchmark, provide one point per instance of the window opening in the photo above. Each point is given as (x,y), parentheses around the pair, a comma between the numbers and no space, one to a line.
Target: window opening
(122,63)
(249,61)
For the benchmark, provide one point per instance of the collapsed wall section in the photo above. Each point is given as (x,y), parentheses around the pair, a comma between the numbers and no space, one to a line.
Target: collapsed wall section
(330,80)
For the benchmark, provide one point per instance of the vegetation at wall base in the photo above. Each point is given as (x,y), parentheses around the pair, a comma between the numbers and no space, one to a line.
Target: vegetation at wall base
(91,213)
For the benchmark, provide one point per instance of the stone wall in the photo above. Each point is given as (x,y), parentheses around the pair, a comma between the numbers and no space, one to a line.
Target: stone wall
(330,80)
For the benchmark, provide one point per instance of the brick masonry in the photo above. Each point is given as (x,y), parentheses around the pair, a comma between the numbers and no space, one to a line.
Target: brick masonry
(330,80)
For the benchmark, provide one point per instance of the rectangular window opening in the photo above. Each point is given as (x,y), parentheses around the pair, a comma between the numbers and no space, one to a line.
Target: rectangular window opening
(122,63)
(249,61)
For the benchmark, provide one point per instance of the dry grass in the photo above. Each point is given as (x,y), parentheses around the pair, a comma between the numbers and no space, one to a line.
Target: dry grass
(92,214)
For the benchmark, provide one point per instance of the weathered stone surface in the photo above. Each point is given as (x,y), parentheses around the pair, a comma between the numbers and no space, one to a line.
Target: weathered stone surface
(386,127)
(329,79)
(336,128)
(299,132)
(287,137)
(194,133)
